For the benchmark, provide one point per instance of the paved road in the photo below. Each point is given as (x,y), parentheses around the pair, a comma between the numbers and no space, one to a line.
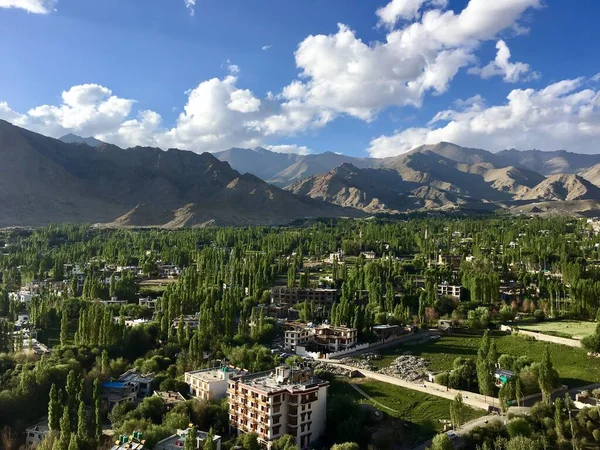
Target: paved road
(469,398)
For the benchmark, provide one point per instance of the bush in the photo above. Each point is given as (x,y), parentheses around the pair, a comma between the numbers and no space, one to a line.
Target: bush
(539,315)
(518,427)
(596,434)
(591,343)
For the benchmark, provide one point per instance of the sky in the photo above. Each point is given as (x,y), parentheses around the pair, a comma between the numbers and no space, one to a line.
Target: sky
(359,77)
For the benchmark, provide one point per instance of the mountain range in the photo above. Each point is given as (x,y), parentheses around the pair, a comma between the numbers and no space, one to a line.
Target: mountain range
(44,180)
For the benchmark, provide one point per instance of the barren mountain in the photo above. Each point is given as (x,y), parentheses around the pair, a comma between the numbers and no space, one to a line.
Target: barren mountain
(550,163)
(562,187)
(592,174)
(45,180)
(74,139)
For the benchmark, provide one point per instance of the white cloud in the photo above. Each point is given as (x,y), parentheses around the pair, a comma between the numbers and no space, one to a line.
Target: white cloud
(32,6)
(267,47)
(234,69)
(298,149)
(244,101)
(190,5)
(340,74)
(501,65)
(562,115)
(8,114)
(396,10)
(596,78)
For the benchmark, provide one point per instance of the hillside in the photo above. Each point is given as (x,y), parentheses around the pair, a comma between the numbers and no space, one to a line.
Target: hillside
(45,180)
(74,139)
(550,163)
(562,187)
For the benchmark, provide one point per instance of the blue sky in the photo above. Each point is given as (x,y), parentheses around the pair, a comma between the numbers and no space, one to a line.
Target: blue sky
(360,77)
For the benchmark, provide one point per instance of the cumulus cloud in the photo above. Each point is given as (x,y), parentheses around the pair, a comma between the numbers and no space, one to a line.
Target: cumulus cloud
(341,74)
(191,5)
(266,47)
(562,115)
(501,66)
(32,6)
(396,10)
(298,149)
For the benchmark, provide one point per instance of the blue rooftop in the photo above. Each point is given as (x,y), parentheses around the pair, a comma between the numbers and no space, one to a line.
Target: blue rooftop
(114,384)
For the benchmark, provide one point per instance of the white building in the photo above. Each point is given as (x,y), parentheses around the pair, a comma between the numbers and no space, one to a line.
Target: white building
(295,334)
(36,433)
(272,404)
(148,302)
(326,337)
(177,441)
(369,255)
(209,384)
(449,290)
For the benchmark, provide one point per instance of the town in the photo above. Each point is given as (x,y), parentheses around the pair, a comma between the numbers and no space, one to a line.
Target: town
(425,332)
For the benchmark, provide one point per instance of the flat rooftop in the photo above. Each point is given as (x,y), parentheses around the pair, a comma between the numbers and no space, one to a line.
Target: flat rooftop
(213,374)
(267,381)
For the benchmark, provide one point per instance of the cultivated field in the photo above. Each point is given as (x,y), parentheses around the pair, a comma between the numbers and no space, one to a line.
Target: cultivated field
(574,366)
(565,328)
(420,413)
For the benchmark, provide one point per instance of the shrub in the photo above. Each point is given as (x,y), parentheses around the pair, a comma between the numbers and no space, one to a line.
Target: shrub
(539,315)
(518,427)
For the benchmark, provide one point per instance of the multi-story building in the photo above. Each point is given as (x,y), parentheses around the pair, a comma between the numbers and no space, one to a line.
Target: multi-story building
(192,321)
(325,337)
(295,334)
(322,298)
(171,398)
(116,392)
(334,339)
(449,290)
(209,384)
(272,404)
(177,441)
(36,433)
(143,380)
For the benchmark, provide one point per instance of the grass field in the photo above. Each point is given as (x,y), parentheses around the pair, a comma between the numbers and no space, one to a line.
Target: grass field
(574,366)
(420,412)
(572,328)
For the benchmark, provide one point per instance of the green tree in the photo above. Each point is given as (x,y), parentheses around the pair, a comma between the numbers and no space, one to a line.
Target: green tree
(346,446)
(519,427)
(190,439)
(485,376)
(546,377)
(522,443)
(54,409)
(441,442)
(249,441)
(457,411)
(558,421)
(64,328)
(82,427)
(209,444)
(73,445)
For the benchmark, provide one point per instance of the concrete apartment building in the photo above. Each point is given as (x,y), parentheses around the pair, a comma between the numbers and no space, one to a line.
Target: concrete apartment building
(327,338)
(272,404)
(209,384)
(449,290)
(292,296)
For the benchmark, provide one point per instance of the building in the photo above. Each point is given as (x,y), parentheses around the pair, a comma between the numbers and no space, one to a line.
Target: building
(22,296)
(385,332)
(113,301)
(148,302)
(36,433)
(449,290)
(133,442)
(452,261)
(116,392)
(177,441)
(209,384)
(335,257)
(334,339)
(192,321)
(322,298)
(143,380)
(369,255)
(295,334)
(272,404)
(170,398)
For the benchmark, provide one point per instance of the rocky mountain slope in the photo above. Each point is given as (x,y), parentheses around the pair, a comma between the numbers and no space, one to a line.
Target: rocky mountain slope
(550,163)
(74,139)
(45,180)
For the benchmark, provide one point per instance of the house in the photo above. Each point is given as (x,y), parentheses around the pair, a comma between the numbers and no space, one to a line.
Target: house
(116,392)
(148,302)
(369,255)
(170,398)
(385,332)
(177,441)
(335,257)
(288,401)
(449,290)
(22,296)
(113,301)
(143,381)
(209,384)
(452,261)
(295,334)
(322,299)
(36,433)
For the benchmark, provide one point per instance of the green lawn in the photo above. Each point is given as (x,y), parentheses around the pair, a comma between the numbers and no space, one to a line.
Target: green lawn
(420,412)
(573,364)
(572,328)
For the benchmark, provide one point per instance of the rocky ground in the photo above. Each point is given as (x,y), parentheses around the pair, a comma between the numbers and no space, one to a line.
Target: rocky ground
(407,367)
